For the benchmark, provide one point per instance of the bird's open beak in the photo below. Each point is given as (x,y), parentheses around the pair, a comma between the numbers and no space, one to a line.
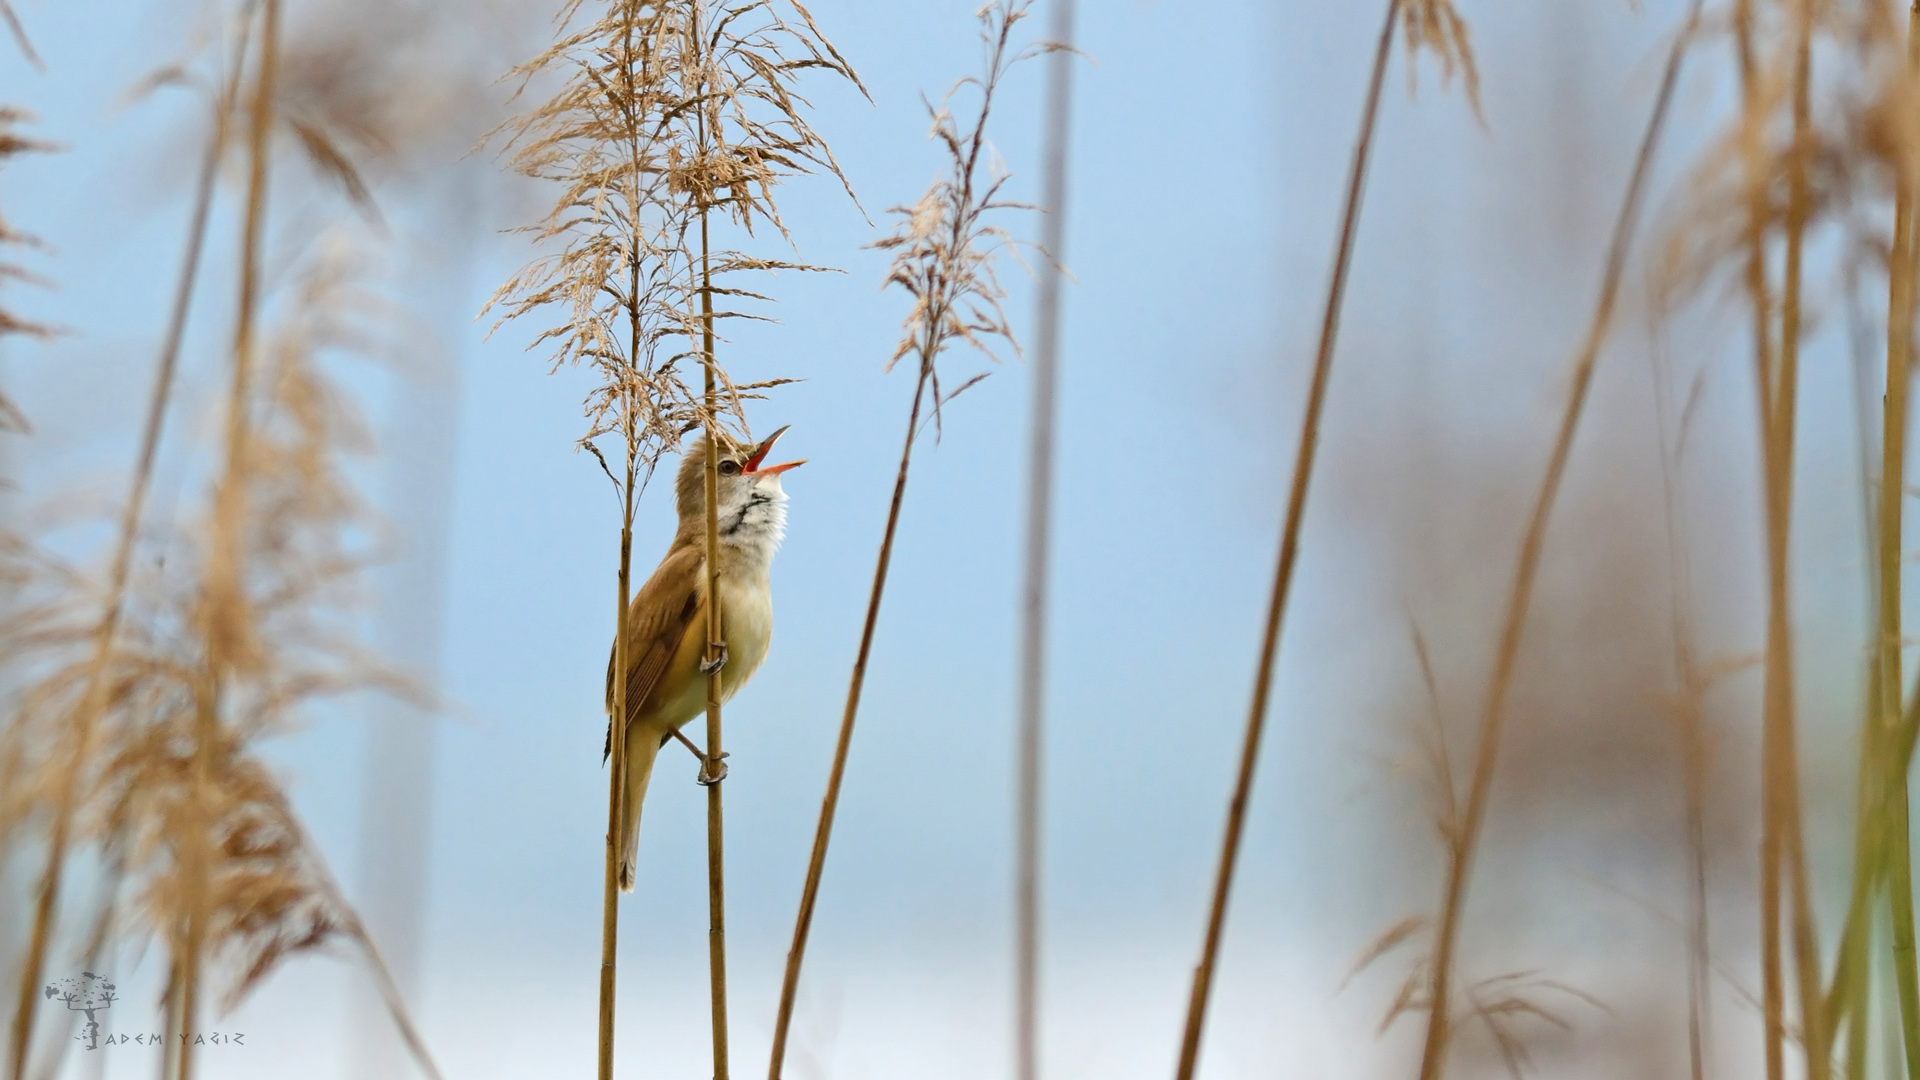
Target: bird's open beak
(759,454)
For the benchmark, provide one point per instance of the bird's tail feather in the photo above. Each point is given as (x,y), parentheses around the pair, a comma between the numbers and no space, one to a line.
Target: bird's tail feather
(642,748)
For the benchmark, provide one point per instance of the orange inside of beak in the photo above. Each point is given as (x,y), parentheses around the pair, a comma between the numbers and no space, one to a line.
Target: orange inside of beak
(760,454)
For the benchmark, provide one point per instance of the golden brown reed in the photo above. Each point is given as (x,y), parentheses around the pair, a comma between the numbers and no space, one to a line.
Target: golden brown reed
(1435,25)
(1812,154)
(144,727)
(943,258)
(666,114)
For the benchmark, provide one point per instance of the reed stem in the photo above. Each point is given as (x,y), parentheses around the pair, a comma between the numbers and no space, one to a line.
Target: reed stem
(1900,315)
(716,649)
(1783,778)
(1033,597)
(830,803)
(947,284)
(1486,755)
(227,575)
(1289,551)
(1759,220)
(716,621)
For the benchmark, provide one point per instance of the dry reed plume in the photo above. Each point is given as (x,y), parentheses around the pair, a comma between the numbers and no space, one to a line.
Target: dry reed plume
(944,250)
(144,718)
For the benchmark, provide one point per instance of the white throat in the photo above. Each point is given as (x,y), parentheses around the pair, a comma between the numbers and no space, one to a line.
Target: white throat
(754,521)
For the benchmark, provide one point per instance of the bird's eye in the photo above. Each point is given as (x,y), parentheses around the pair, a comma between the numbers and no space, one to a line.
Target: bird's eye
(729,468)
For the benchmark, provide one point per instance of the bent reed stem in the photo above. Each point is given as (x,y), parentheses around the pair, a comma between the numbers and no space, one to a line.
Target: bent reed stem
(1486,755)
(830,803)
(1289,550)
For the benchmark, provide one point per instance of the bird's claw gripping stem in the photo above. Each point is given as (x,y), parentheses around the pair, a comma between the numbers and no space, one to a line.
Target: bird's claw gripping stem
(713,666)
(719,773)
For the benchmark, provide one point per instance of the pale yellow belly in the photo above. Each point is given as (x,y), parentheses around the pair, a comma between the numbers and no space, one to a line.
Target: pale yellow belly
(747,628)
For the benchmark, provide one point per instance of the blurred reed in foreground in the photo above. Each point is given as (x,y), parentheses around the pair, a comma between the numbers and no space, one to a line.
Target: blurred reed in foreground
(138,704)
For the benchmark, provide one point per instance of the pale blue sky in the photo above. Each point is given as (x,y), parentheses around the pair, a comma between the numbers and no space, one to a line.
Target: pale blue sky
(1210,144)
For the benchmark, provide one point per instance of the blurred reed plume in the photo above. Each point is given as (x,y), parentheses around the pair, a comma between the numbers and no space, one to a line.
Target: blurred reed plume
(1819,158)
(133,735)
(944,249)
(667,114)
(12,143)
(213,860)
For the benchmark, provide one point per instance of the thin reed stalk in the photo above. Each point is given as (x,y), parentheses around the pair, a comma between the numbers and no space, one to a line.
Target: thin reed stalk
(1033,594)
(1782,781)
(1848,1001)
(1464,841)
(1289,550)
(1691,726)
(94,699)
(634,427)
(226,575)
(943,259)
(1759,294)
(616,784)
(715,656)
(1902,269)
(830,803)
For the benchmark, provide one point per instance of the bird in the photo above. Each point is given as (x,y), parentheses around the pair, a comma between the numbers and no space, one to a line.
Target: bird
(667,620)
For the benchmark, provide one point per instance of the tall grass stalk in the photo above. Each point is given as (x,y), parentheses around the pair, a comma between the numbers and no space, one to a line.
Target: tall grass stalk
(226,574)
(1759,295)
(1901,304)
(715,654)
(1781,783)
(1849,996)
(711,773)
(1782,846)
(94,701)
(1033,594)
(1464,840)
(1289,549)
(1885,753)
(1690,722)
(943,253)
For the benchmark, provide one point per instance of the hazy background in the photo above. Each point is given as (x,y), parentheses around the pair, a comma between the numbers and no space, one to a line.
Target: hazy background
(1210,143)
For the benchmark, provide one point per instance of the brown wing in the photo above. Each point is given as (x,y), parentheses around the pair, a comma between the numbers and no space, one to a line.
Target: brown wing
(667,604)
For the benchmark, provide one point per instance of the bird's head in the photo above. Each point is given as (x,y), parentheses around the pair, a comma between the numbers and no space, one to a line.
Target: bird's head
(752,507)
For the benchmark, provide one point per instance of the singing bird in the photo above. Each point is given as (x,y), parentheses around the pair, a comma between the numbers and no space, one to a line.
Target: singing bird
(667,622)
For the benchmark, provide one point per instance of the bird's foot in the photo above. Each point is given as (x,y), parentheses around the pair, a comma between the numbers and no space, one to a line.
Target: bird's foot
(713,666)
(712,770)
